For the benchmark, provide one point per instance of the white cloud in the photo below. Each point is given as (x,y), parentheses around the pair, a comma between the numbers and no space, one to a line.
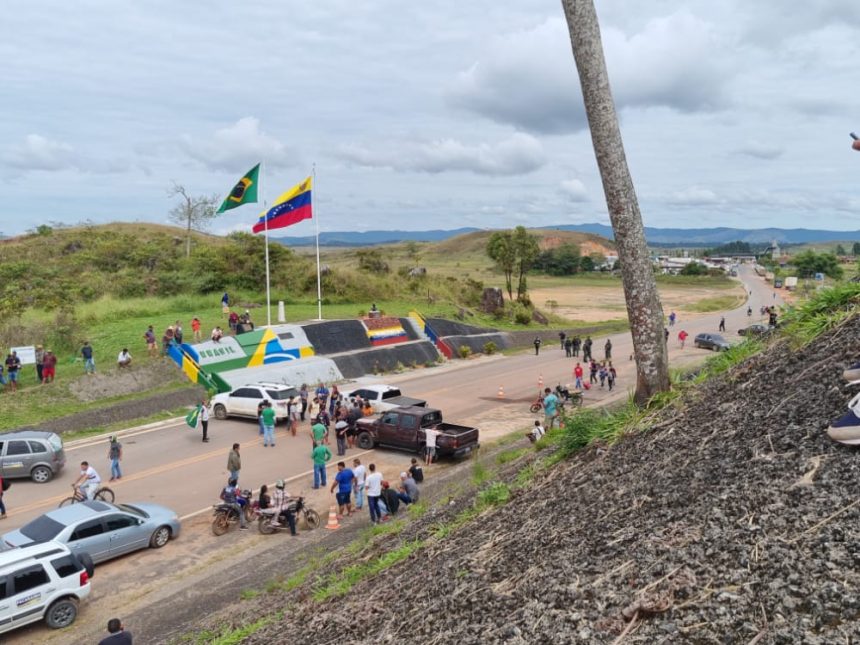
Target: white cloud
(760,150)
(693,196)
(519,154)
(36,152)
(529,78)
(236,146)
(574,190)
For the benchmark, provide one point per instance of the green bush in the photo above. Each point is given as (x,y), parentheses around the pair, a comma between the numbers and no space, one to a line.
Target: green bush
(490,347)
(464,351)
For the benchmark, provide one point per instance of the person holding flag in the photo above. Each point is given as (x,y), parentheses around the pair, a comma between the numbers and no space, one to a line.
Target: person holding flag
(200,414)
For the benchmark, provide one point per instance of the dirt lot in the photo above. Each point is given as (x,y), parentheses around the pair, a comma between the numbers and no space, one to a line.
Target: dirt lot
(600,302)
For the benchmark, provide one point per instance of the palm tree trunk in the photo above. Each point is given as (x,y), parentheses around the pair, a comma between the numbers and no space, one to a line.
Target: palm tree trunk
(640,288)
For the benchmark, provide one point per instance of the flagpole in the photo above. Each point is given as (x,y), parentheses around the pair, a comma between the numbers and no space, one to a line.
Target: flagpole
(266,228)
(317,227)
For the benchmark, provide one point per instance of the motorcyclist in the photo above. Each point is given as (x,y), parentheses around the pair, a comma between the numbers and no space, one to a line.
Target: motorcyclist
(749,311)
(281,506)
(230,497)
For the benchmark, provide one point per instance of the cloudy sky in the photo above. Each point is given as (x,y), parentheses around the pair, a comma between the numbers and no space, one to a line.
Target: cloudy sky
(428,115)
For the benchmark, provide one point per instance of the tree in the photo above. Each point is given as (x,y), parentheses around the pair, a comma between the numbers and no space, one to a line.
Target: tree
(370,260)
(193,212)
(527,250)
(855,250)
(640,287)
(562,260)
(809,263)
(500,248)
(694,268)
(840,250)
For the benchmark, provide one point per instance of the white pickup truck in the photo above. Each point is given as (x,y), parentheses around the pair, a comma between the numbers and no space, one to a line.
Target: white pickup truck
(383,397)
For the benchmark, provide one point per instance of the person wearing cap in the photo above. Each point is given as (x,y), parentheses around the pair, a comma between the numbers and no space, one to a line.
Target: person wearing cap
(115,456)
(408,492)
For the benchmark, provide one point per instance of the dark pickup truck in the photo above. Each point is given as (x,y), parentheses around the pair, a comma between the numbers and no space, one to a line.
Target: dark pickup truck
(404,428)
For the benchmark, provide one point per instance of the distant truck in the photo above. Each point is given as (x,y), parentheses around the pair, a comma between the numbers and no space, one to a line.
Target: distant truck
(404,429)
(791,283)
(383,397)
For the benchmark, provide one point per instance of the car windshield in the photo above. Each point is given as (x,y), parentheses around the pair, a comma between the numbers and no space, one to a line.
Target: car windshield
(282,395)
(134,510)
(42,529)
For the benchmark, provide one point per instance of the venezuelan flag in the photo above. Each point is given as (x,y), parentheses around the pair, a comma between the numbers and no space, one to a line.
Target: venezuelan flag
(290,208)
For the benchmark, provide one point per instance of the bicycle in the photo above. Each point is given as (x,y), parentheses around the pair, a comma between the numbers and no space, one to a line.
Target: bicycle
(103,494)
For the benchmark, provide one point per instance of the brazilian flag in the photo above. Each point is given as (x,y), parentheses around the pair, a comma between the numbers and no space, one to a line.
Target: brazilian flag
(191,418)
(244,192)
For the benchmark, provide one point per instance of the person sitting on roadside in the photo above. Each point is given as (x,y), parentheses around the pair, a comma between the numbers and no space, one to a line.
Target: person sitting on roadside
(408,492)
(217,334)
(124,358)
(536,433)
(390,499)
(416,471)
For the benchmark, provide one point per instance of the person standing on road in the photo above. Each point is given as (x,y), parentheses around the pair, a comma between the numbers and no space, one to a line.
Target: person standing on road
(672,317)
(561,337)
(568,347)
(359,472)
(373,486)
(536,343)
(320,455)
(3,487)
(303,395)
(317,433)
(260,407)
(586,349)
(89,361)
(340,430)
(577,343)
(344,481)
(115,456)
(682,337)
(612,376)
(577,375)
(722,324)
(607,350)
(203,417)
(268,417)
(294,416)
(550,408)
(430,445)
(118,635)
(234,462)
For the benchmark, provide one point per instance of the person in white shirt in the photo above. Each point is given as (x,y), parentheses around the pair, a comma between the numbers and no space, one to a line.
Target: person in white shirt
(124,358)
(373,485)
(537,432)
(204,419)
(359,471)
(89,481)
(430,445)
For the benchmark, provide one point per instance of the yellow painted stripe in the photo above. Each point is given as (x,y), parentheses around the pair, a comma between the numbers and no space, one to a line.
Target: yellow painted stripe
(259,356)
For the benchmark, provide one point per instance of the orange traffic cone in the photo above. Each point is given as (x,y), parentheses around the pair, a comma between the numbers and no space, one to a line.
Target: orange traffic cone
(501,394)
(332,519)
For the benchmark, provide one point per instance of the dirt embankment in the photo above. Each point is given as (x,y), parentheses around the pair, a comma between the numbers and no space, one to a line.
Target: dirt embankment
(734,520)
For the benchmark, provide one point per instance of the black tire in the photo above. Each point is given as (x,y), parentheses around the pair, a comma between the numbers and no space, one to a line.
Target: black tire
(62,613)
(87,560)
(67,502)
(220,412)
(249,512)
(104,495)
(312,519)
(220,525)
(264,526)
(536,407)
(160,537)
(365,441)
(576,401)
(41,474)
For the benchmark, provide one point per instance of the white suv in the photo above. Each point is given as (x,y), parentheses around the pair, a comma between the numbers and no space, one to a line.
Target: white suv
(44,581)
(243,401)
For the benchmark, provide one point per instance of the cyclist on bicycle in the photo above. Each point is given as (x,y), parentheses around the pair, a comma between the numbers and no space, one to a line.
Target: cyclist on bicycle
(89,481)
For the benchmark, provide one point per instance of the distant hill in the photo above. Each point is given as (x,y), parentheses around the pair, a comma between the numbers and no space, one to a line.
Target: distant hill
(476,242)
(654,235)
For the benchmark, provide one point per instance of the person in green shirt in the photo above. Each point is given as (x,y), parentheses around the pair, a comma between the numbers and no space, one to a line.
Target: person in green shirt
(318,433)
(321,454)
(268,416)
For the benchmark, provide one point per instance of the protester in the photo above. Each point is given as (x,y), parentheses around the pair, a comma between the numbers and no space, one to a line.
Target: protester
(344,482)
(167,340)
(40,362)
(593,369)
(610,379)
(373,487)
(294,415)
(13,366)
(603,373)
(430,445)
(672,317)
(390,500)
(318,432)
(118,635)
(49,367)
(203,417)
(151,346)
(225,303)
(268,415)
(550,408)
(233,322)
(89,361)
(359,471)
(577,375)
(234,462)
(303,395)
(115,456)
(195,329)
(340,430)
(416,471)
(124,358)
(410,493)
(320,455)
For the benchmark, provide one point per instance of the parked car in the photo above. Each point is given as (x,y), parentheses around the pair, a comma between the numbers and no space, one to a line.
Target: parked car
(42,582)
(404,428)
(756,329)
(243,401)
(102,530)
(35,454)
(383,397)
(711,341)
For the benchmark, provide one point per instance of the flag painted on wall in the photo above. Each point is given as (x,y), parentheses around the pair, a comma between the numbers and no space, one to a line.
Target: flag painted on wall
(290,208)
(244,192)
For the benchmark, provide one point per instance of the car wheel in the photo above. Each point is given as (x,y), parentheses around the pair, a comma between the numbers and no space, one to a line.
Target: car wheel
(220,412)
(41,474)
(365,441)
(62,613)
(160,537)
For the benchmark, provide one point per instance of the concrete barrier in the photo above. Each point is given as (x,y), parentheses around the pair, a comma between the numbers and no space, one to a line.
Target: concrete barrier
(385,359)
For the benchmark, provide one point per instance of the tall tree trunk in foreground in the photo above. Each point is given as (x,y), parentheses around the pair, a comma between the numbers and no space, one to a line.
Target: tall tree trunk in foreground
(640,288)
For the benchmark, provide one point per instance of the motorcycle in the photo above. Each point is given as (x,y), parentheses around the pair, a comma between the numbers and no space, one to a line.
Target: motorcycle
(226,516)
(296,505)
(564,396)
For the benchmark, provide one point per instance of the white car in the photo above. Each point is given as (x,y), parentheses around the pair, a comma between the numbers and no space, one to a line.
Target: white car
(243,401)
(383,397)
(43,582)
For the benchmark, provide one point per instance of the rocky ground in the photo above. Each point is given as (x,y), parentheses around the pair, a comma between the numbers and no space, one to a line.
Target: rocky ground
(734,520)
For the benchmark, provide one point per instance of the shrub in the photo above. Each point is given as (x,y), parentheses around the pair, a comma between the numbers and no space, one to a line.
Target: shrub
(490,347)
(464,351)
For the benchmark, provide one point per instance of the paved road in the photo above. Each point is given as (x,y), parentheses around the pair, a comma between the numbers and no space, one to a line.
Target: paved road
(169,464)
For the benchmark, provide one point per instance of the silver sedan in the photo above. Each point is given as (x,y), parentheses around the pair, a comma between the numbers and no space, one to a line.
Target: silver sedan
(103,530)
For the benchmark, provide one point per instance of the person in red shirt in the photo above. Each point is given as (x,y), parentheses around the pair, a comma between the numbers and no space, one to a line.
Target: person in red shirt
(49,366)
(577,374)
(195,328)
(682,336)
